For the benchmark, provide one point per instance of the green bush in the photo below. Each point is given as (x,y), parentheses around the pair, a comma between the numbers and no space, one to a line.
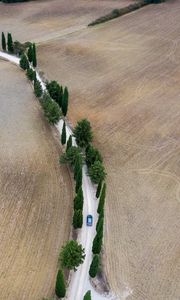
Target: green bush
(38,88)
(92,155)
(70,155)
(55,91)
(83,133)
(51,109)
(24,64)
(97,172)
(31,74)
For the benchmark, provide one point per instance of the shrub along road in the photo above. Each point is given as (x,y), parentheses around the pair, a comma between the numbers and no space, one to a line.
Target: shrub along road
(79,280)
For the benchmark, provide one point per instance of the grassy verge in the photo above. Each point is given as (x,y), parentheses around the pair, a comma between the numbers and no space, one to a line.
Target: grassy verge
(123,11)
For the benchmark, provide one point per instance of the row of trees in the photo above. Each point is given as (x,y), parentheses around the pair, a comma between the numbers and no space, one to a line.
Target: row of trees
(71,257)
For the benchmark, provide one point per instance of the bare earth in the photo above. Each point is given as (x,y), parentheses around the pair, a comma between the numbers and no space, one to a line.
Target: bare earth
(35,198)
(124,77)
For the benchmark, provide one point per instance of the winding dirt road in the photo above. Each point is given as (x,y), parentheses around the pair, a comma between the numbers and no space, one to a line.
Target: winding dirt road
(79,282)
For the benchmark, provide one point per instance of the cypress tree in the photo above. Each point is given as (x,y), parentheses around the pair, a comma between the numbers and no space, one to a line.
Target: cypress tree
(102,199)
(38,88)
(34,59)
(65,101)
(10,43)
(79,180)
(99,189)
(94,266)
(30,53)
(77,218)
(69,143)
(60,288)
(24,64)
(79,199)
(77,165)
(3,41)
(63,135)
(100,224)
(87,296)
(97,243)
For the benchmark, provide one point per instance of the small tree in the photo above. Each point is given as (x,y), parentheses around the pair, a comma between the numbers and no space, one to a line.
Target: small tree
(102,199)
(83,133)
(60,285)
(24,64)
(38,88)
(87,296)
(30,53)
(3,41)
(97,172)
(69,143)
(94,267)
(34,59)
(31,74)
(92,154)
(99,189)
(77,218)
(70,155)
(10,43)
(65,101)
(55,91)
(63,135)
(78,180)
(72,255)
(51,109)
(79,199)
(97,243)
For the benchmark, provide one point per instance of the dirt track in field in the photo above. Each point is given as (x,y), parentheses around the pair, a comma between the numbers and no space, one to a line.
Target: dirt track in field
(35,198)
(124,76)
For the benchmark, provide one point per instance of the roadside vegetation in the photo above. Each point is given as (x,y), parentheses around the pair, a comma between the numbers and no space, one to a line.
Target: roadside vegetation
(54,100)
(115,13)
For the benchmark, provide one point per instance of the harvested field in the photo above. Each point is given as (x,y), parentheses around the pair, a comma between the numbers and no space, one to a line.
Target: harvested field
(124,76)
(48,19)
(35,198)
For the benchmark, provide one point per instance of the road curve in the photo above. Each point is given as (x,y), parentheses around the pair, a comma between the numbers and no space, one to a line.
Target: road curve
(79,282)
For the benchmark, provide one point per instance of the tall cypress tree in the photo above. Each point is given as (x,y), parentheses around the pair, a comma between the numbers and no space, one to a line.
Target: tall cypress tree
(65,101)
(79,180)
(69,143)
(77,165)
(63,135)
(99,189)
(30,54)
(94,266)
(10,43)
(97,243)
(100,224)
(87,296)
(102,199)
(3,41)
(60,288)
(77,218)
(79,199)
(34,59)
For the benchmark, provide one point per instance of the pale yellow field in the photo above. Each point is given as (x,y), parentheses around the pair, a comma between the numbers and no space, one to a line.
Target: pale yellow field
(124,77)
(35,198)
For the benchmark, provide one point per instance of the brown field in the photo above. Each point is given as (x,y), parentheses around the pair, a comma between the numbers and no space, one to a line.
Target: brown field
(35,198)
(125,77)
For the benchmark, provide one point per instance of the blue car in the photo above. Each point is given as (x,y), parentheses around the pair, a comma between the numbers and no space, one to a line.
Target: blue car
(89,220)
